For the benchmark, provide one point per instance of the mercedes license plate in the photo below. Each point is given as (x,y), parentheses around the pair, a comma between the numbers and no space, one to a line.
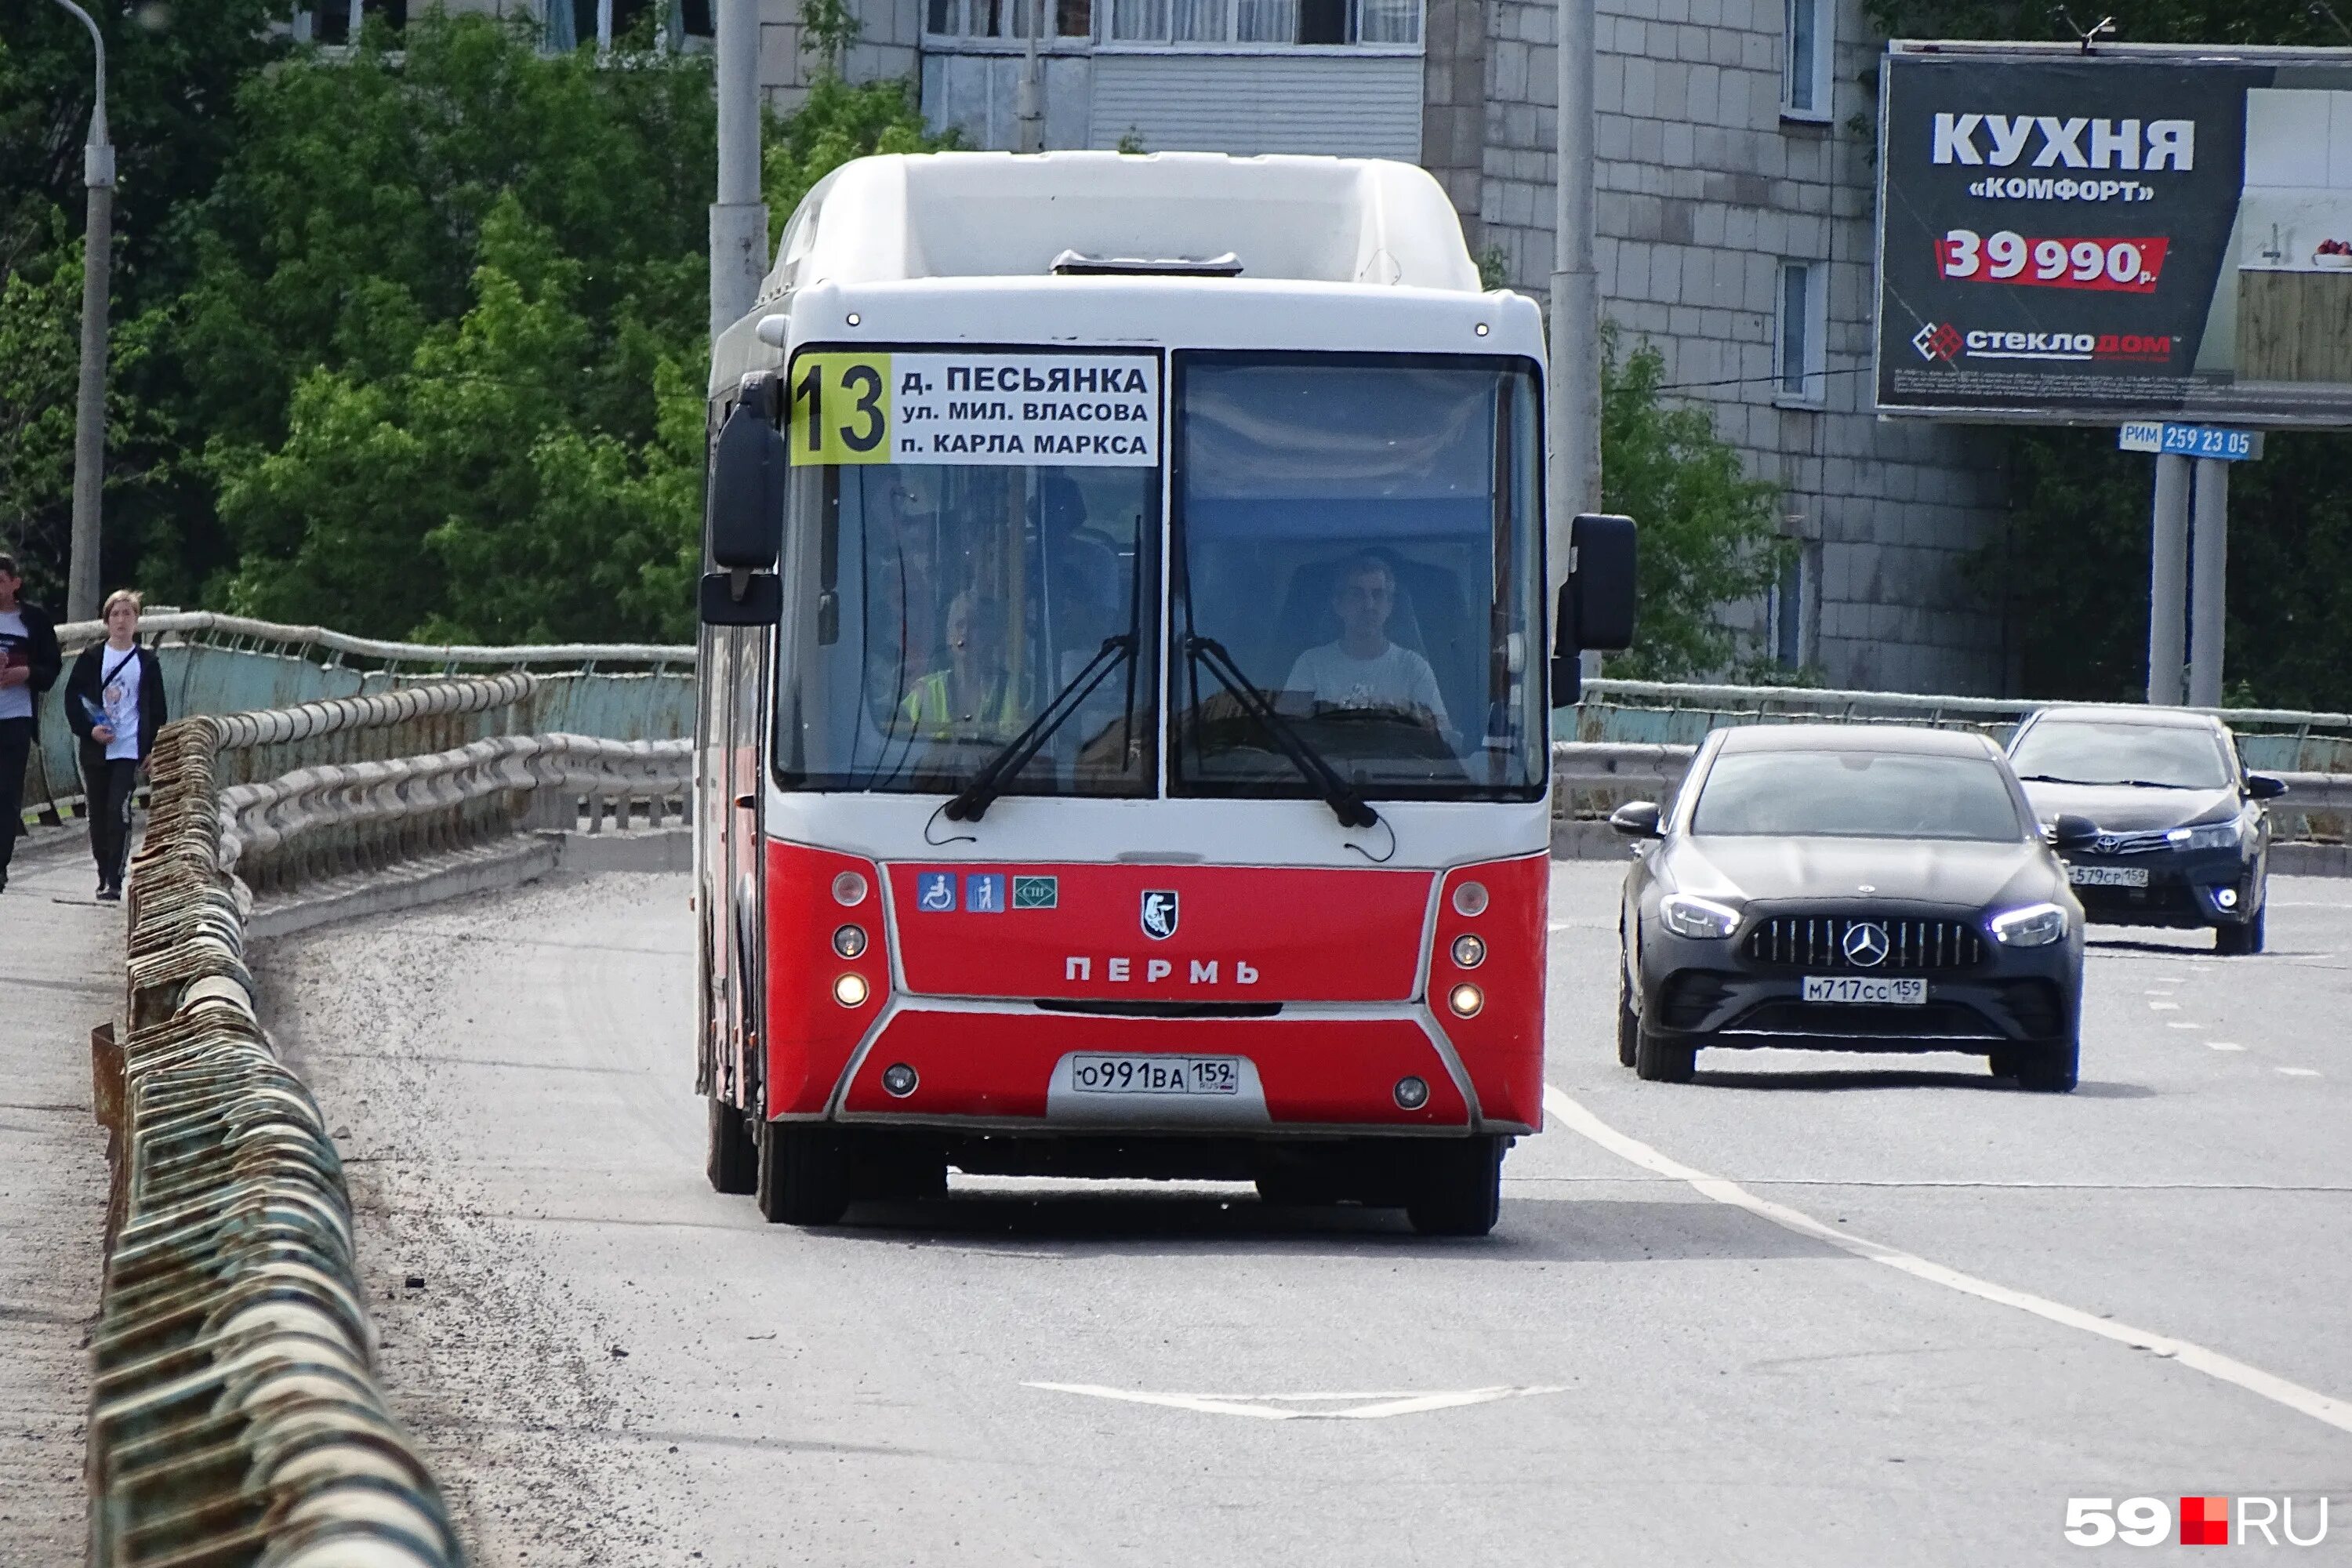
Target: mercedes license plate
(1155,1075)
(1872,993)
(2108,876)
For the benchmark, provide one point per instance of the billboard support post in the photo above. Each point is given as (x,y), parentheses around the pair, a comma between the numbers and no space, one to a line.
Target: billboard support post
(2168,581)
(2208,580)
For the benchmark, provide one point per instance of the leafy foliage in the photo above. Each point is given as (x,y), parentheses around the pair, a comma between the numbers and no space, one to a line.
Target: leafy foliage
(440,358)
(1709,533)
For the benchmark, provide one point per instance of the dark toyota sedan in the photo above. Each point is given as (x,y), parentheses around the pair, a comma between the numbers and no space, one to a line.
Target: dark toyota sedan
(1849,888)
(2183,838)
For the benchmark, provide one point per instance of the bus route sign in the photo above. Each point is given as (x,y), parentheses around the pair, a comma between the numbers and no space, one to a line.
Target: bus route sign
(1085,410)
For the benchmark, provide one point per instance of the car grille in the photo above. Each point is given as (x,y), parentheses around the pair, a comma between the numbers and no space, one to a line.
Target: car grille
(1817,943)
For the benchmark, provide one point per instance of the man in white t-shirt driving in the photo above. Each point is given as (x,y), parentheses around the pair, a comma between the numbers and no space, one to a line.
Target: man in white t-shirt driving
(1362,669)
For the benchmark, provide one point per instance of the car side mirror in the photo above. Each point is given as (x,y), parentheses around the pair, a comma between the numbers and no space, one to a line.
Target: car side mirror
(1595,609)
(2264,786)
(1637,819)
(2073,832)
(744,520)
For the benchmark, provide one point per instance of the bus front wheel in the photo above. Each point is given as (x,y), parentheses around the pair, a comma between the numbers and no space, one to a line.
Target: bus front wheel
(803,1176)
(1460,1188)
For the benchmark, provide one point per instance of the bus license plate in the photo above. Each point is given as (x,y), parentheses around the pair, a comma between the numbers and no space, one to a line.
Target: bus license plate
(1155,1075)
(2108,876)
(1853,990)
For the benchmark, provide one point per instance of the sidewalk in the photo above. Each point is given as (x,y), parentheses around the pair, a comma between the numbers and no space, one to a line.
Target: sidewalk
(60,974)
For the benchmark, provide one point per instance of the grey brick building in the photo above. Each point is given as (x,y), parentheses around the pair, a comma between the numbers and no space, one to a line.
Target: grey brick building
(1734,182)
(1735,193)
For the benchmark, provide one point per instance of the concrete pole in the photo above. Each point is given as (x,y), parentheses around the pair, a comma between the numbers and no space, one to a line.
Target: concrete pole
(1029,97)
(1575,476)
(2168,581)
(739,219)
(97,286)
(2208,582)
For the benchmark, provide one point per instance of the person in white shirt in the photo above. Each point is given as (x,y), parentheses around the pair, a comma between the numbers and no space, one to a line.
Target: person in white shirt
(114,700)
(1362,669)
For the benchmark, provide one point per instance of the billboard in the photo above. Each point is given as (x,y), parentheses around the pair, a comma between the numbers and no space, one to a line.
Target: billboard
(2134,232)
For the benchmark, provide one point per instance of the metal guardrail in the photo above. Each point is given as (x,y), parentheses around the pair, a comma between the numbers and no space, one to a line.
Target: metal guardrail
(235,1417)
(337,819)
(1591,779)
(2274,739)
(226,664)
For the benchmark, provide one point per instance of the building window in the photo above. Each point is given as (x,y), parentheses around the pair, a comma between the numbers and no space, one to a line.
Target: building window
(338,22)
(1007,18)
(1787,607)
(1805,69)
(1278,23)
(1802,325)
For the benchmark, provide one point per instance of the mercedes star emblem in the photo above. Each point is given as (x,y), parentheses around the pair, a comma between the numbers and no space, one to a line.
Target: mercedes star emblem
(1866,944)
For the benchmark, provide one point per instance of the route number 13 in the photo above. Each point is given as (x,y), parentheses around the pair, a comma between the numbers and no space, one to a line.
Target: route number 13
(841,408)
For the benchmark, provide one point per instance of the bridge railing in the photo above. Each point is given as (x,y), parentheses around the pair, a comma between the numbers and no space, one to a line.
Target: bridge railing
(230,664)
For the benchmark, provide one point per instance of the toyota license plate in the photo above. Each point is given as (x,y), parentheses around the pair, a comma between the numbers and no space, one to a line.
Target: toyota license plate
(1155,1075)
(2108,876)
(1856,991)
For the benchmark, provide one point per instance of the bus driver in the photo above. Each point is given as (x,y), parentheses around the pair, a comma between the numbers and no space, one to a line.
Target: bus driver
(1362,669)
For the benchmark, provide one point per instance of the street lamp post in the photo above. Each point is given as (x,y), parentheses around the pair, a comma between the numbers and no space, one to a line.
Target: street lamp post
(90,412)
(1575,294)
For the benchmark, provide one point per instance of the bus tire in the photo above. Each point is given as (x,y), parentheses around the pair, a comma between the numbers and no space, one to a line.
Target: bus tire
(734,1162)
(1460,1190)
(804,1175)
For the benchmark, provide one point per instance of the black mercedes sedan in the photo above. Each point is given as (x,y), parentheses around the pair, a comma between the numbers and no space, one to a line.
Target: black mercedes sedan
(2183,839)
(1873,888)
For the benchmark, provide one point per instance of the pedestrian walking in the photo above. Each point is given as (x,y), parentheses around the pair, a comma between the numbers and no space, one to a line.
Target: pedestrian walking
(29,661)
(114,700)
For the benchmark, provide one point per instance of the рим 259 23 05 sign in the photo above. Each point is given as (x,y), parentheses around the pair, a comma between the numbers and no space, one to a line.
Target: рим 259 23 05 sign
(2093,237)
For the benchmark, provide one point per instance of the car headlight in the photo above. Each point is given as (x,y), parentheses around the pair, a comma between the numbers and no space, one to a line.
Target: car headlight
(2036,925)
(2207,836)
(1686,914)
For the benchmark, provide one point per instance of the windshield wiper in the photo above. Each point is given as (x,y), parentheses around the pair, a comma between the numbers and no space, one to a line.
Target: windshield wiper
(989,781)
(1338,794)
(2110,784)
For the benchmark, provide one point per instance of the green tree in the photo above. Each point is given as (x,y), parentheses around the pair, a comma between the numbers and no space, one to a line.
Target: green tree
(1709,533)
(449,325)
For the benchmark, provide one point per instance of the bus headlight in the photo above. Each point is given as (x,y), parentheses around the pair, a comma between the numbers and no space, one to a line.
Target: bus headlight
(1470,900)
(851,989)
(1688,914)
(849,941)
(2036,925)
(849,889)
(1465,999)
(1469,952)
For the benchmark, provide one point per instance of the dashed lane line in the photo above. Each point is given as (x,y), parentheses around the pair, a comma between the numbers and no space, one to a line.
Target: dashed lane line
(2298,1072)
(2223,1046)
(2321,1407)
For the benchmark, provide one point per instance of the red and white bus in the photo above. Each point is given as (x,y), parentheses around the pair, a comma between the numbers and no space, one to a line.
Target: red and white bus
(1126,688)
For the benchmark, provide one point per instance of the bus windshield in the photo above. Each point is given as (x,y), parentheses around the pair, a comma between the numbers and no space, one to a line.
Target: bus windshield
(1358,534)
(933,610)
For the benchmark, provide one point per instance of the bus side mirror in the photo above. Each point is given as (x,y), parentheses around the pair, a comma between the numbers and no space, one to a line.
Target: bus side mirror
(744,518)
(1596,602)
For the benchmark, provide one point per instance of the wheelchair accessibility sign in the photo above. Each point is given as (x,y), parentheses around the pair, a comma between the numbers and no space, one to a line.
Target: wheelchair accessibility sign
(935,892)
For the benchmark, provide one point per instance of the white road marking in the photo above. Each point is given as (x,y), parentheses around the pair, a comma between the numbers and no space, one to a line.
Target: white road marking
(1275,1406)
(2223,1046)
(2182,1024)
(2298,1072)
(2335,1413)
(2164,1006)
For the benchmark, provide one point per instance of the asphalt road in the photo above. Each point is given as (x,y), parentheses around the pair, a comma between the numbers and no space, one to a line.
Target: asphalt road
(610,1364)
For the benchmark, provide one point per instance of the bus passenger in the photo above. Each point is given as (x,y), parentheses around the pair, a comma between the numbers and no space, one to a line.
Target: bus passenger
(974,696)
(1361,669)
